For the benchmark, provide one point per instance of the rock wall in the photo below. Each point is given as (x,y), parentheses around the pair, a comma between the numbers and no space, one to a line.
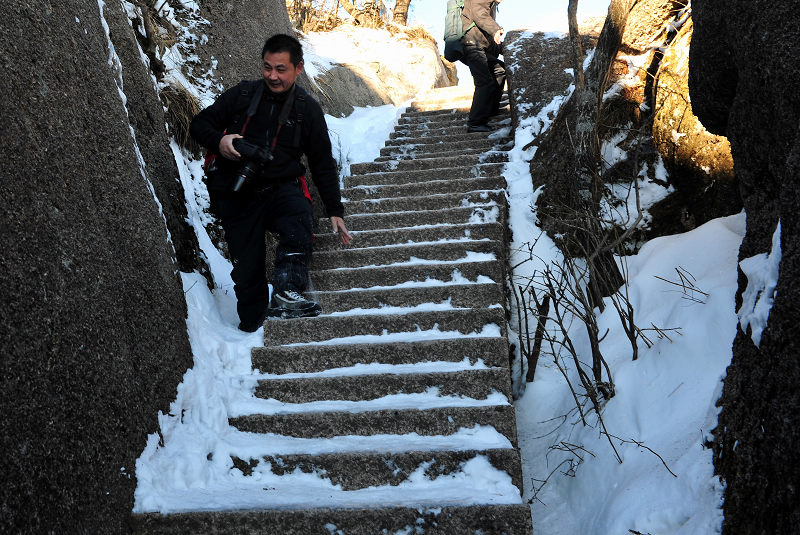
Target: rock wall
(94,335)
(743,83)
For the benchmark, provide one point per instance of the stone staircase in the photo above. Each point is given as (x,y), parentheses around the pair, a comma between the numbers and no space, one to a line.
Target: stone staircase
(411,349)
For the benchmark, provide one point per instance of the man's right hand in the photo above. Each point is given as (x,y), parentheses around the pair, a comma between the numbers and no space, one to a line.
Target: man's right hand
(226,147)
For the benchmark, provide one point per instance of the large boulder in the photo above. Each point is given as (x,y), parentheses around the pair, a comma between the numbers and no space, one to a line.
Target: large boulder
(378,67)
(743,82)
(94,335)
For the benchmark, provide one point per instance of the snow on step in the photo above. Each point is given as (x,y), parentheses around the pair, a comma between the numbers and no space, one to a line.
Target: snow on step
(374,238)
(481,213)
(476,384)
(433,354)
(398,299)
(428,399)
(391,254)
(478,482)
(436,325)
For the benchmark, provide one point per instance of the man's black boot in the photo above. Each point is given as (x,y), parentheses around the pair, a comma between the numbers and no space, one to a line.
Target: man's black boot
(291,304)
(253,326)
(478,128)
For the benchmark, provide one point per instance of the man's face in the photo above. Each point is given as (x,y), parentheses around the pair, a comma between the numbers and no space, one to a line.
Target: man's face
(279,72)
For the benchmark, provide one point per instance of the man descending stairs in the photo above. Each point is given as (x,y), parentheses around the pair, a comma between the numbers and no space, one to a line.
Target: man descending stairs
(398,396)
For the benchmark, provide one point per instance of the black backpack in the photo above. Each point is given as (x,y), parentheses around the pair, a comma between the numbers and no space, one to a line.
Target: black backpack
(454,30)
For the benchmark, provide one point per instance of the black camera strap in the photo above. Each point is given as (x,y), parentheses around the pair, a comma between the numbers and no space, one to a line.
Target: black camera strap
(283,117)
(254,102)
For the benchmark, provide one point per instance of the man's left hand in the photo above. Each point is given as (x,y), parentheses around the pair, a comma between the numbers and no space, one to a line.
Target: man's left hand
(337,223)
(498,36)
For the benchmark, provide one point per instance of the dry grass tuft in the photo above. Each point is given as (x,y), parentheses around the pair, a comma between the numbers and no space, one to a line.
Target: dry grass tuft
(413,32)
(181,107)
(616,113)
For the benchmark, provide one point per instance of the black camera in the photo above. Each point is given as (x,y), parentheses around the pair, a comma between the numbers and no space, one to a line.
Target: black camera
(255,159)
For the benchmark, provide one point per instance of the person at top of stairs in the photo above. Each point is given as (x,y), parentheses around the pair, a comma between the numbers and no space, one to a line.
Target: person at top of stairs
(257,132)
(482,44)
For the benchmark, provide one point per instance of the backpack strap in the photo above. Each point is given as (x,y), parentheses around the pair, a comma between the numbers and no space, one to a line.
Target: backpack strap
(254,101)
(300,105)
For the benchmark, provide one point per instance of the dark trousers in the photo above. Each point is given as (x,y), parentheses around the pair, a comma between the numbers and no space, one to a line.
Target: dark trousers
(245,218)
(489,75)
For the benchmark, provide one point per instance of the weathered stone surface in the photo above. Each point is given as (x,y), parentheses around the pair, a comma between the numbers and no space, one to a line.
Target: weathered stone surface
(743,80)
(94,335)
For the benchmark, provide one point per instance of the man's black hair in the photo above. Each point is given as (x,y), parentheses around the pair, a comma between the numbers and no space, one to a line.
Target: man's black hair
(284,43)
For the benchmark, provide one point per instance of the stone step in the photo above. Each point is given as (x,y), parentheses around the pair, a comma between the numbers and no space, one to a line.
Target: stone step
(453,100)
(453,125)
(415,176)
(456,185)
(462,111)
(377,256)
(491,351)
(449,95)
(419,150)
(461,105)
(376,238)
(428,422)
(427,202)
(437,145)
(430,519)
(483,213)
(393,275)
(454,133)
(454,152)
(475,384)
(456,295)
(360,470)
(341,329)
(410,120)
(428,163)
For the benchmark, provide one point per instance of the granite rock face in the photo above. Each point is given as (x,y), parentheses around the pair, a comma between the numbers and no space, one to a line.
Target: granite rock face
(94,334)
(743,83)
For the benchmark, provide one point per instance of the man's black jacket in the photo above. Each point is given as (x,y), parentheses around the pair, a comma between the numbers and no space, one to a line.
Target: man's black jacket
(483,13)
(228,114)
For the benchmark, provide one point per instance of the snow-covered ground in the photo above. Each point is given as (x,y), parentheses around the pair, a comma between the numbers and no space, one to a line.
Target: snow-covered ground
(660,416)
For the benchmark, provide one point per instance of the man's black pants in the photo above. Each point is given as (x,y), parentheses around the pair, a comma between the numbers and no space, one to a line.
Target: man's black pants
(245,218)
(489,75)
